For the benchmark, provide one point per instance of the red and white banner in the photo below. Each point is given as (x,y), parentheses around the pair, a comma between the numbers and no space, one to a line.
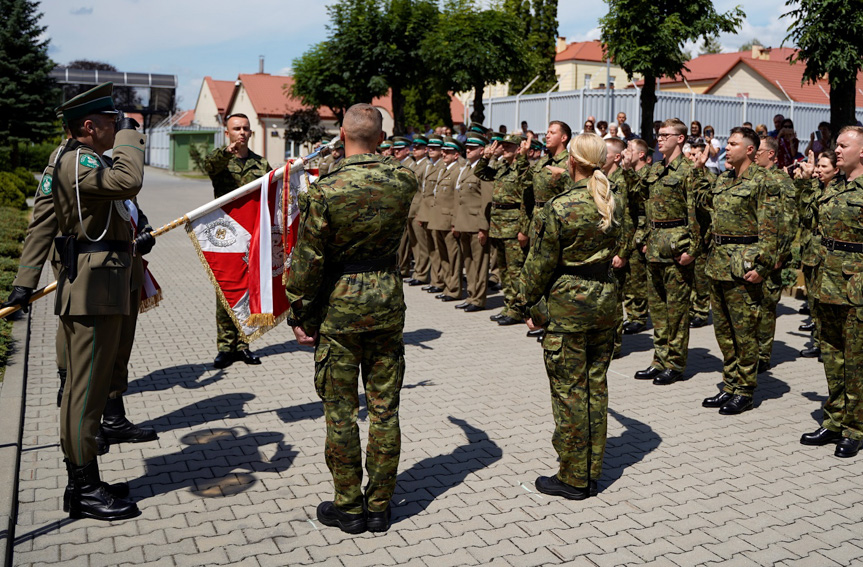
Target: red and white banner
(151,292)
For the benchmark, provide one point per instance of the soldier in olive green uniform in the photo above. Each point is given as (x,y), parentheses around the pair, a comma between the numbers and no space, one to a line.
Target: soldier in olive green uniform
(427,188)
(229,168)
(441,220)
(567,287)
(402,154)
(839,288)
(504,220)
(330,162)
(416,234)
(673,243)
(93,287)
(345,286)
(745,207)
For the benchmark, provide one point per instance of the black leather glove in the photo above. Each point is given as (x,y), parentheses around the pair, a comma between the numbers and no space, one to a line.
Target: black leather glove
(145,242)
(127,123)
(20,297)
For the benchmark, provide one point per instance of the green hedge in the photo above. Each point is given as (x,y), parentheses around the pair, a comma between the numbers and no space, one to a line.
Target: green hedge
(13,229)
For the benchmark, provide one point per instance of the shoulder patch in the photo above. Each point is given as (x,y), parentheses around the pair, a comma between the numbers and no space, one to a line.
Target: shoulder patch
(45,186)
(88,161)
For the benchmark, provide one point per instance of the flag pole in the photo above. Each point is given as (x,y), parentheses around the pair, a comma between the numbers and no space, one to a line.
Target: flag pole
(297,165)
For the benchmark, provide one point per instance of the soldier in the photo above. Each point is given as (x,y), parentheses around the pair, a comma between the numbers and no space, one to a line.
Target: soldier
(441,220)
(699,309)
(385,148)
(416,234)
(766,157)
(229,168)
(330,162)
(567,287)
(347,300)
(402,153)
(673,242)
(635,288)
(470,223)
(839,289)
(745,206)
(94,283)
(504,220)
(428,184)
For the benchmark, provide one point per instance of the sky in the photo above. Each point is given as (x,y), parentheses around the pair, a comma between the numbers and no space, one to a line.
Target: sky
(196,38)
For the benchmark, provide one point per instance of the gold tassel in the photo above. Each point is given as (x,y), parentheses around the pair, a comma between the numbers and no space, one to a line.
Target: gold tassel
(150,302)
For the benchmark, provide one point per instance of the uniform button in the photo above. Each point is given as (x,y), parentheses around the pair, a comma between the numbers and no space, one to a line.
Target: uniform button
(141,141)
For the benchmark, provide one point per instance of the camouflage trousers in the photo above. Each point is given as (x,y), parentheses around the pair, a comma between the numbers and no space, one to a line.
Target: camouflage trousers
(842,351)
(736,308)
(622,276)
(576,364)
(700,291)
(670,292)
(635,289)
(510,259)
(809,278)
(378,357)
(772,285)
(228,337)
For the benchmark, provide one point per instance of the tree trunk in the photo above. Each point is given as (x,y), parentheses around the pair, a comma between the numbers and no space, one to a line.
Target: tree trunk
(478,114)
(843,103)
(15,155)
(648,104)
(398,99)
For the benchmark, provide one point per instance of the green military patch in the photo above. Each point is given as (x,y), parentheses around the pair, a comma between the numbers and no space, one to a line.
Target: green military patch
(45,186)
(88,161)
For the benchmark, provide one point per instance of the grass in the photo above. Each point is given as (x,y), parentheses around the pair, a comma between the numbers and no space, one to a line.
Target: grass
(13,229)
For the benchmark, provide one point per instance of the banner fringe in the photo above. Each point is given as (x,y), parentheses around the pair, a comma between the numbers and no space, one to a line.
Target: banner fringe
(150,302)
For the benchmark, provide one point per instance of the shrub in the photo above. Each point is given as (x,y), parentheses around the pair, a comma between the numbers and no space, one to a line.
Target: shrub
(12,191)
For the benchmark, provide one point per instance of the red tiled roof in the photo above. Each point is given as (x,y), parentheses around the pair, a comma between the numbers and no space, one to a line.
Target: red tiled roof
(221,91)
(582,51)
(184,118)
(791,77)
(714,66)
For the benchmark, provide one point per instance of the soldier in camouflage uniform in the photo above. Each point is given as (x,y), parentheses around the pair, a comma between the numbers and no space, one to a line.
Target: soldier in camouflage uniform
(346,298)
(787,229)
(635,288)
(504,221)
(229,168)
(745,207)
(673,243)
(839,288)
(567,287)
(699,311)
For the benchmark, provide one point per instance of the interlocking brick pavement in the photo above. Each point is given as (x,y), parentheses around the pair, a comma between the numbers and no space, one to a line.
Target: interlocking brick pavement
(238,468)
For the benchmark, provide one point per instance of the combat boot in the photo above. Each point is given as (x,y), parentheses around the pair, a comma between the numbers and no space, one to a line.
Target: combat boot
(119,490)
(61,372)
(117,429)
(91,498)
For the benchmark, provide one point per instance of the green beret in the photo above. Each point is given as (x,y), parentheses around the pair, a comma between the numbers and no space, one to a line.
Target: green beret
(401,142)
(95,101)
(450,143)
(474,139)
(421,141)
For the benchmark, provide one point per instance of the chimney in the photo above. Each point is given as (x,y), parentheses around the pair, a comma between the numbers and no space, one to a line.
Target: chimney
(261,64)
(757,51)
(561,44)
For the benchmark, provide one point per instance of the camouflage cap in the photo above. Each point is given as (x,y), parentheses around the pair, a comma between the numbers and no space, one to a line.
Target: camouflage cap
(97,100)
(474,139)
(512,139)
(450,143)
(401,142)
(435,141)
(338,145)
(421,141)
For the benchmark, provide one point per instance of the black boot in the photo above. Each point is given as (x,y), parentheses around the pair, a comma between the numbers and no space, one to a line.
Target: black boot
(119,490)
(90,497)
(117,429)
(61,372)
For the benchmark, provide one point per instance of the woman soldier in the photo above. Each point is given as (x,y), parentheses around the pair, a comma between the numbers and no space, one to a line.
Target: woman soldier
(567,288)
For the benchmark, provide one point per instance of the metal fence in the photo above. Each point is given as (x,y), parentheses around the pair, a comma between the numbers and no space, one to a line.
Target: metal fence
(158,150)
(721,112)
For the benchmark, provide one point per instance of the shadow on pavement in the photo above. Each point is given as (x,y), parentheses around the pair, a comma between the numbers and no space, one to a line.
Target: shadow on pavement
(769,388)
(44,530)
(419,337)
(225,406)
(215,463)
(639,342)
(432,477)
(188,376)
(817,413)
(707,362)
(637,440)
(783,353)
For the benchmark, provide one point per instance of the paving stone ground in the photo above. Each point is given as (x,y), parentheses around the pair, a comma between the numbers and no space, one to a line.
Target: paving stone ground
(238,469)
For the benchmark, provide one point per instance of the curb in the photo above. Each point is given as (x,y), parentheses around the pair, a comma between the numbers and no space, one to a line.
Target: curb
(12,399)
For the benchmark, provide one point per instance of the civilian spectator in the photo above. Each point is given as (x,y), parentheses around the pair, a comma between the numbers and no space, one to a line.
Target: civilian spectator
(462,133)
(602,128)
(524,127)
(747,124)
(626,132)
(777,123)
(820,140)
(589,127)
(761,130)
(712,148)
(502,129)
(694,132)
(612,132)
(789,145)
(621,119)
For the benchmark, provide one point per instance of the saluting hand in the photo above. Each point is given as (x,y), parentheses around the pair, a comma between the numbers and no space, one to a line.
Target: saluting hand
(806,169)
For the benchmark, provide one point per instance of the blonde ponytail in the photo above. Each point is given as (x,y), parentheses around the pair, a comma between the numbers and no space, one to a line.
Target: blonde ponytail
(589,152)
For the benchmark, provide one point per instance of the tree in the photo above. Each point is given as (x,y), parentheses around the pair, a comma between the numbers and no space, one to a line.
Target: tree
(318,81)
(27,92)
(469,49)
(829,34)
(304,125)
(750,44)
(539,30)
(647,37)
(125,98)
(710,45)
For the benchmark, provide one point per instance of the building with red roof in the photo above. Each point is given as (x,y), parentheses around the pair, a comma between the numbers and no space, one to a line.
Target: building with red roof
(582,65)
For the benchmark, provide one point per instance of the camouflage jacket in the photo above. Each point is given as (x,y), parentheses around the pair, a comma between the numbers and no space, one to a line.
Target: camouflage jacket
(569,236)
(355,214)
(539,184)
(789,217)
(504,222)
(623,181)
(640,236)
(749,205)
(229,172)
(670,193)
(839,277)
(808,193)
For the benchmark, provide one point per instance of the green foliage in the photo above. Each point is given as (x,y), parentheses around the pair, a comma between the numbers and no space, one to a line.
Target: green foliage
(318,81)
(539,28)
(27,94)
(750,44)
(13,229)
(829,35)
(304,125)
(12,190)
(198,152)
(428,103)
(471,48)
(709,45)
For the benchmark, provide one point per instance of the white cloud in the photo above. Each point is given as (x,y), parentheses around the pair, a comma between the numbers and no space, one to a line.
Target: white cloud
(82,11)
